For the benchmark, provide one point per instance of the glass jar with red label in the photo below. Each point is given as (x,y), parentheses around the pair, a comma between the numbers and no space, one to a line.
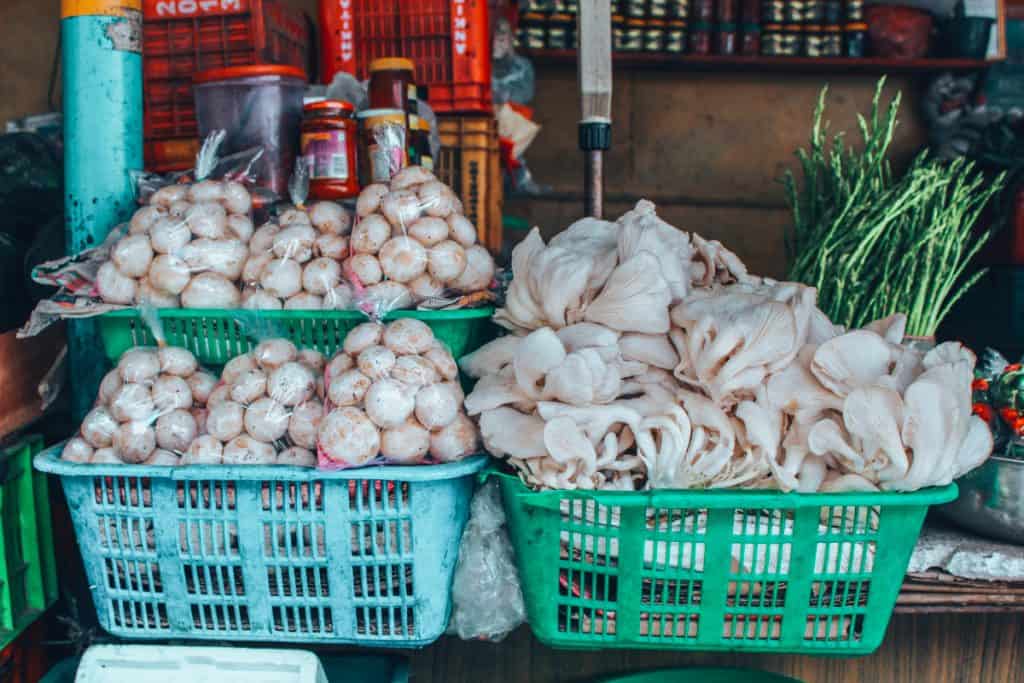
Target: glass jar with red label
(329,139)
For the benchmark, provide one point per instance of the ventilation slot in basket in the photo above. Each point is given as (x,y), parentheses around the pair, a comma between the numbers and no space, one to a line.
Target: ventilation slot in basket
(588,568)
(381,558)
(673,567)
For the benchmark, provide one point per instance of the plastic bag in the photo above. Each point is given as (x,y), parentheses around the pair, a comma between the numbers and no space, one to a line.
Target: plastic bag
(295,262)
(412,243)
(487,600)
(393,397)
(149,410)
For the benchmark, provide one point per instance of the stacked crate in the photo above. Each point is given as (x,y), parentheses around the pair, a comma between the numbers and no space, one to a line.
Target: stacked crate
(184,36)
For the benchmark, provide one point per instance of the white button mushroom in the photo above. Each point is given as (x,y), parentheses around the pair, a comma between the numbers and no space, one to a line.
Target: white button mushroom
(257,300)
(263,239)
(414,371)
(376,362)
(389,403)
(429,231)
(411,175)
(179,209)
(304,423)
(408,336)
(402,259)
(266,420)
(202,385)
(134,441)
(206,191)
(339,364)
(478,273)
(291,384)
(426,286)
(293,216)
(132,402)
(210,290)
(98,427)
(208,219)
(341,298)
(237,199)
(219,395)
(331,246)
(369,235)
(273,353)
(240,227)
(405,444)
(282,278)
(297,457)
(139,364)
(295,243)
(362,337)
(77,450)
(114,287)
(205,450)
(162,458)
(236,367)
(388,296)
(401,208)
(144,219)
(365,268)
(455,441)
(437,199)
(175,431)
(132,255)
(348,436)
(348,389)
(225,420)
(169,194)
(250,386)
(171,393)
(254,266)
(447,260)
(225,257)
(370,198)
(169,274)
(443,361)
(312,359)
(321,276)
(245,450)
(330,218)
(462,230)
(105,456)
(436,406)
(108,386)
(169,235)
(150,295)
(175,360)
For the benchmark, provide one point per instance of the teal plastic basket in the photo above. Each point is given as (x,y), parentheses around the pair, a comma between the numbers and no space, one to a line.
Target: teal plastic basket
(280,554)
(216,336)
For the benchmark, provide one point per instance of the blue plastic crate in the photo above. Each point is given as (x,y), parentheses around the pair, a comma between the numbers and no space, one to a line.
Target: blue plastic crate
(280,554)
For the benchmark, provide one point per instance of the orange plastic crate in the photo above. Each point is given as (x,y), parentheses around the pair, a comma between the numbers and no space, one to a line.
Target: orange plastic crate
(449,40)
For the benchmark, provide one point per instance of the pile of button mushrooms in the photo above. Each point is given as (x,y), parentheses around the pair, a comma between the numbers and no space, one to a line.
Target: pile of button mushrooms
(643,357)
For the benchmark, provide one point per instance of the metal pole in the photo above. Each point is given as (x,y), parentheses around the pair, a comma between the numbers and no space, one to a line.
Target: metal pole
(102,67)
(593,183)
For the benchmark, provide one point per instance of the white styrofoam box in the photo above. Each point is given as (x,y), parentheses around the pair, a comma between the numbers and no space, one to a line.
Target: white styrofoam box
(167,664)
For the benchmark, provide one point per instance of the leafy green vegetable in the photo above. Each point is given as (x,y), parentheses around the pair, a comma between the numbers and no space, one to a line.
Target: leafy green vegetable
(874,244)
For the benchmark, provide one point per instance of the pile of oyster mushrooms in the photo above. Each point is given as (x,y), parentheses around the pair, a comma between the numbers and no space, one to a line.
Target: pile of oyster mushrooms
(640,356)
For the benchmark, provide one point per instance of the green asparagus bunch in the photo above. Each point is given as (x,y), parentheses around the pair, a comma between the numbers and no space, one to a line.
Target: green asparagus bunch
(874,244)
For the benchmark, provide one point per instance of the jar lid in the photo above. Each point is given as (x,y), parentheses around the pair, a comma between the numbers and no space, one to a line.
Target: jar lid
(373,113)
(812,27)
(392,64)
(422,124)
(330,105)
(857,27)
(832,28)
(231,73)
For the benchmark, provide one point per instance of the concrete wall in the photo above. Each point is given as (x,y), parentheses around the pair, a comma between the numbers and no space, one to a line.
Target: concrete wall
(707,147)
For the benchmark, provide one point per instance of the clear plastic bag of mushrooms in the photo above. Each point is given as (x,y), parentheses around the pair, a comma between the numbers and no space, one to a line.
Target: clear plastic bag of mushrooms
(393,397)
(644,357)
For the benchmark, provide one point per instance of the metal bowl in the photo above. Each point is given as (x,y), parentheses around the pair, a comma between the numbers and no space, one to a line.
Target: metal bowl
(991,501)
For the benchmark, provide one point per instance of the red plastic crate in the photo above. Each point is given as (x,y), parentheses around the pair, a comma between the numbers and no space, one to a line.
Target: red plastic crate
(181,37)
(449,40)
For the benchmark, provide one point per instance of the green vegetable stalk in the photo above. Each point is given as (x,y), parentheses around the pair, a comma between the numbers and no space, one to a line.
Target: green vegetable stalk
(874,244)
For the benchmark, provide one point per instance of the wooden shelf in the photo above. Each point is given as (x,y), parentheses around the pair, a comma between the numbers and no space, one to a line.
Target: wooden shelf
(654,61)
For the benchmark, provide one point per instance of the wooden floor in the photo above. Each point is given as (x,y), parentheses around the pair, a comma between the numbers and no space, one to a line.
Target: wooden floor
(938,648)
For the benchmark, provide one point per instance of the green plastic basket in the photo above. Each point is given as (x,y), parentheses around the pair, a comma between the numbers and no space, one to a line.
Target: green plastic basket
(216,336)
(754,571)
(28,572)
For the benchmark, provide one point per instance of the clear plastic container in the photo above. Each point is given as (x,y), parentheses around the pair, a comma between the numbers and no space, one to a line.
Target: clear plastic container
(258,106)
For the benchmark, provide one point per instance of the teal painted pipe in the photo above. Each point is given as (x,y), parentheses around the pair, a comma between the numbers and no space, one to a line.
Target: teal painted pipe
(102,66)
